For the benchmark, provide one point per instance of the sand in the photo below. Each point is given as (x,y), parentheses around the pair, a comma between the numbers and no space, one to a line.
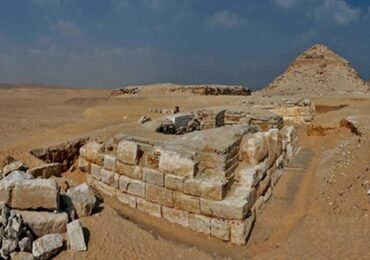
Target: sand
(318,212)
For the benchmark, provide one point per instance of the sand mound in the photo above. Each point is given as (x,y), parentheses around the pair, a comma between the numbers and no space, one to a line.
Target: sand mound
(317,72)
(174,89)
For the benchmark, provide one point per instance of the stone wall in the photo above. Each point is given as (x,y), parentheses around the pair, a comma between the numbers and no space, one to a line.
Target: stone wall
(296,109)
(213,181)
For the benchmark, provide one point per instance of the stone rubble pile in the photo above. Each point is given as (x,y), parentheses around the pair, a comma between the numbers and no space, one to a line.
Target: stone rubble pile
(34,214)
(214,181)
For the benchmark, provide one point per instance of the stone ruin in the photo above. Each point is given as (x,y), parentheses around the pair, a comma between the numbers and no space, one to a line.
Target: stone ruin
(213,175)
(35,209)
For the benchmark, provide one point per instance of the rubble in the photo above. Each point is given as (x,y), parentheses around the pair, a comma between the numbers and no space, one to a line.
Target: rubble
(43,223)
(82,199)
(76,239)
(14,233)
(47,246)
(30,193)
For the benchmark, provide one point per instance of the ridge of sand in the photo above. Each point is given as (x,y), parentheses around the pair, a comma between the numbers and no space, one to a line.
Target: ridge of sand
(318,71)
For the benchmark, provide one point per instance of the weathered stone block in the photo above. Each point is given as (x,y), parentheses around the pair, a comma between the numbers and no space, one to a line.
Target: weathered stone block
(95,171)
(102,187)
(110,162)
(84,164)
(42,223)
(254,148)
(47,246)
(240,231)
(235,206)
(75,235)
(263,185)
(93,151)
(82,199)
(213,189)
(220,229)
(107,177)
(259,205)
(159,195)
(174,182)
(176,216)
(186,202)
(134,172)
(131,186)
(30,194)
(171,162)
(200,223)
(153,177)
(149,207)
(128,152)
(127,199)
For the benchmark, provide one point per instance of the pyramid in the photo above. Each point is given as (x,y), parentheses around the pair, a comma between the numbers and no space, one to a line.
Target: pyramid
(318,71)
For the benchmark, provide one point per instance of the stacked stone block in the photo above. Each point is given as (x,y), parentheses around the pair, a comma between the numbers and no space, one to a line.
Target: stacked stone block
(215,186)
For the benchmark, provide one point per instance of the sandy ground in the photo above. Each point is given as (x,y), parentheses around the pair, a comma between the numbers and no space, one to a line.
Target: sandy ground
(318,212)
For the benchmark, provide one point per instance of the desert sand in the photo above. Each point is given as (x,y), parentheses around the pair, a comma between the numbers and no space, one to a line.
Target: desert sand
(319,211)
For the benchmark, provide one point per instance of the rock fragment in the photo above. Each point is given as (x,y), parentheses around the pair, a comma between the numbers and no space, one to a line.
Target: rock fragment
(47,246)
(82,199)
(76,239)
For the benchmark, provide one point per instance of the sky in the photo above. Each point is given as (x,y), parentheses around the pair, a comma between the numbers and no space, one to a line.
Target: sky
(112,43)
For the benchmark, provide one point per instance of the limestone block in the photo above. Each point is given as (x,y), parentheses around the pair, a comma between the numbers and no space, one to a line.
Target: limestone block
(149,207)
(153,177)
(127,199)
(254,148)
(84,164)
(75,236)
(93,151)
(289,133)
(186,202)
(263,185)
(200,223)
(30,194)
(134,172)
(128,152)
(174,163)
(102,187)
(18,175)
(95,171)
(21,256)
(267,195)
(248,177)
(259,205)
(47,246)
(42,223)
(275,176)
(176,216)
(159,195)
(131,186)
(82,199)
(220,229)
(240,231)
(275,145)
(174,182)
(235,205)
(110,162)
(107,177)
(213,189)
